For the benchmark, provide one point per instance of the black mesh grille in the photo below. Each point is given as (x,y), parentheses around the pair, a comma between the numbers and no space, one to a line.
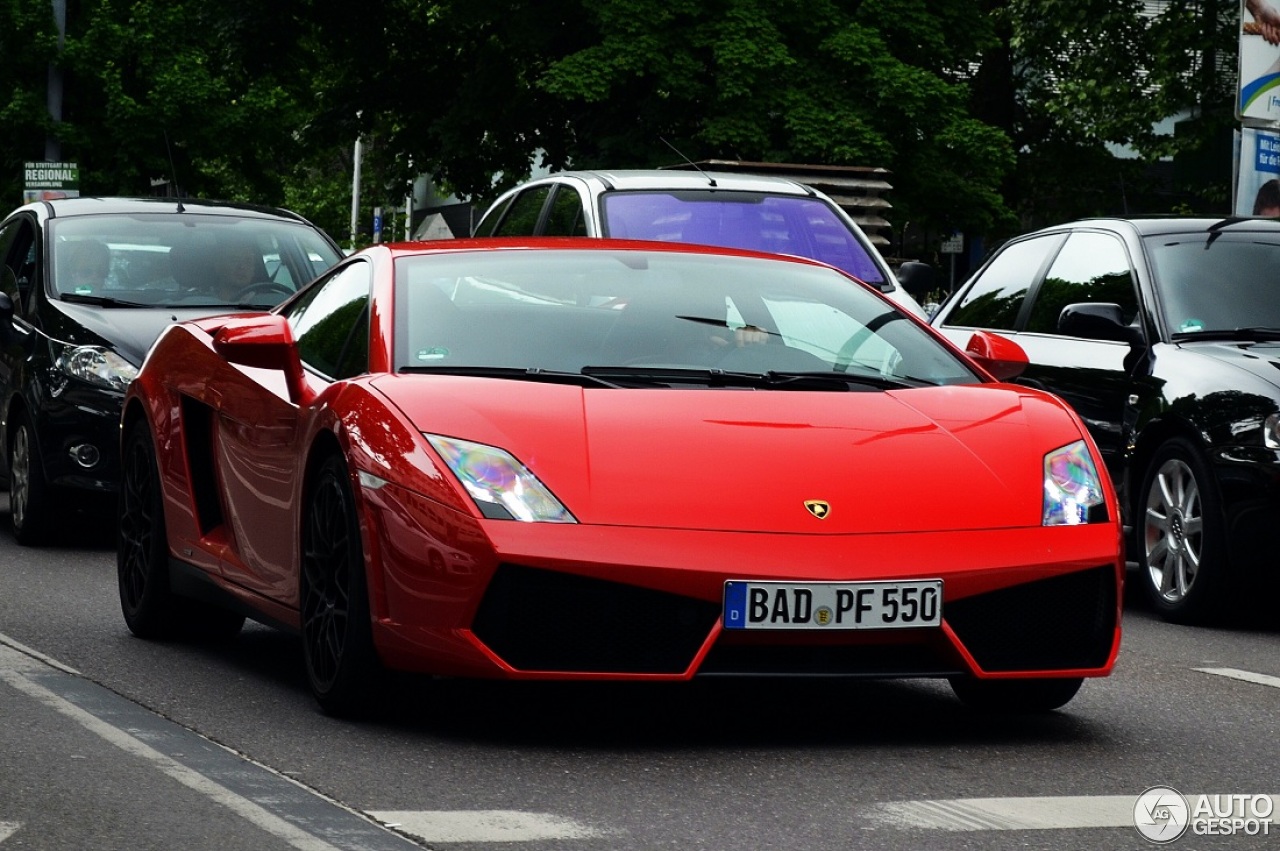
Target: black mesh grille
(541,620)
(1065,622)
(874,660)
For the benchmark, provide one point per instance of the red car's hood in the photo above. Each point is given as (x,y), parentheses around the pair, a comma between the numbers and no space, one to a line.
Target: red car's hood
(924,459)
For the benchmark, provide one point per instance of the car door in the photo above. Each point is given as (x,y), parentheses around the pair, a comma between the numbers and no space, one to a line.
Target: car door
(258,432)
(1014,297)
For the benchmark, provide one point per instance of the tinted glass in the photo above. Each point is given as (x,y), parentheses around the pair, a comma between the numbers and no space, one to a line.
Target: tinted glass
(566,310)
(170,260)
(522,216)
(565,218)
(331,323)
(995,298)
(778,224)
(1090,267)
(1216,282)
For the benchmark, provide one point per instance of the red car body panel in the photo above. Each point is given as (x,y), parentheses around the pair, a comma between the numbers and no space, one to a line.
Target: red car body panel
(674,493)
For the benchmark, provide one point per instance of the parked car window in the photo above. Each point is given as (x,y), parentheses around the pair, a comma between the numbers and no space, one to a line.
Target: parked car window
(995,299)
(1218,282)
(522,216)
(565,218)
(1090,267)
(491,218)
(18,274)
(331,323)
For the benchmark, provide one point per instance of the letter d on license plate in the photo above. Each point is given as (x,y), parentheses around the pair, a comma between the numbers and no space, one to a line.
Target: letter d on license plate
(832,605)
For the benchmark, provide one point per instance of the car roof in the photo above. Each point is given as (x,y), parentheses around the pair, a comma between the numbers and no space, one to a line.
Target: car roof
(657,178)
(1156,225)
(106,205)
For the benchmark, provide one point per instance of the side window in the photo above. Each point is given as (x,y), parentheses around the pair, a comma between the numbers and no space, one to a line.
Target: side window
(331,323)
(995,299)
(1091,267)
(491,219)
(19,272)
(566,216)
(522,216)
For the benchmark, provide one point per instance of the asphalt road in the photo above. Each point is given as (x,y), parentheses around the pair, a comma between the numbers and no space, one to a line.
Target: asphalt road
(110,742)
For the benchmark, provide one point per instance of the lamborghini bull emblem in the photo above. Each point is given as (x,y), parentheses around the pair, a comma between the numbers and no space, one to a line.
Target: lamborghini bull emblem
(819,508)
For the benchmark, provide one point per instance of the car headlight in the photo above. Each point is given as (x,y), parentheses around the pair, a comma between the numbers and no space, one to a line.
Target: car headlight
(1072,488)
(97,365)
(1271,432)
(502,487)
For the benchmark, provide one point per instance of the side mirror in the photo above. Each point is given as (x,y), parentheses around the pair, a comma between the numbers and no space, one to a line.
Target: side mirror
(1000,356)
(264,341)
(1097,321)
(918,279)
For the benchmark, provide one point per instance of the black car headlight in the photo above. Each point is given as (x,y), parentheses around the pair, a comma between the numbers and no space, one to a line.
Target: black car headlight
(97,365)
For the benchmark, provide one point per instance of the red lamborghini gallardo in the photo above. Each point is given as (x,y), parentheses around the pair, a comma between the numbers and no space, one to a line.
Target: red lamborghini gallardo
(615,460)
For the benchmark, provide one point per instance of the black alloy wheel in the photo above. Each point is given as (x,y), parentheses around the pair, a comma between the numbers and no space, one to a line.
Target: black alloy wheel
(337,641)
(1182,544)
(142,548)
(150,608)
(30,499)
(1016,696)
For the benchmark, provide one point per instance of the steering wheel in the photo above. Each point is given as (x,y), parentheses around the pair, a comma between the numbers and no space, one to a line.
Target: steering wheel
(263,287)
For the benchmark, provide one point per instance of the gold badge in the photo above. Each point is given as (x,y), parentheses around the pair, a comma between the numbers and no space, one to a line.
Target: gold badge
(819,508)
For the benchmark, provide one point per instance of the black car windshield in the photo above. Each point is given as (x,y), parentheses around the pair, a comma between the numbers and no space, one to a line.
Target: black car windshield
(183,259)
(615,314)
(777,224)
(1219,285)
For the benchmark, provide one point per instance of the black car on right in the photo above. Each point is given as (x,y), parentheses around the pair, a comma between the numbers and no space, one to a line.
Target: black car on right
(1164,334)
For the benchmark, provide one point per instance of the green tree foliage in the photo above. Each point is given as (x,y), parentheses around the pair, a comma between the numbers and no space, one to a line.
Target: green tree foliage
(28,44)
(991,115)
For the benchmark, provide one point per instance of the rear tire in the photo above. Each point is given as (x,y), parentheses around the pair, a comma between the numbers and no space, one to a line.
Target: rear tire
(337,638)
(30,500)
(142,545)
(1016,696)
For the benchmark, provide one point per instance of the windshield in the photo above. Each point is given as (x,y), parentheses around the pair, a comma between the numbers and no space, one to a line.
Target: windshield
(620,313)
(1217,283)
(183,260)
(777,224)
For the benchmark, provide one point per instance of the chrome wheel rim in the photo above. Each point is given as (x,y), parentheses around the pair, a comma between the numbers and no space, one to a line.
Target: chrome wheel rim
(1174,531)
(20,477)
(326,575)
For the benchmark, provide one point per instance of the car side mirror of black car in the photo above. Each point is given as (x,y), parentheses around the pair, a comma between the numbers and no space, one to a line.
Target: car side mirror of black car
(1097,321)
(918,279)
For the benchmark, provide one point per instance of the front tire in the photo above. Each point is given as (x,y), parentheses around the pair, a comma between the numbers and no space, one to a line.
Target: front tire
(1016,696)
(30,507)
(337,638)
(1182,545)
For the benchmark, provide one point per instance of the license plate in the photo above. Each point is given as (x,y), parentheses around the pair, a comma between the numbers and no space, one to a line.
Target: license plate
(832,605)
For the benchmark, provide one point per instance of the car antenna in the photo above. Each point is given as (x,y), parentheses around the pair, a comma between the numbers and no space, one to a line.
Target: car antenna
(173,172)
(681,155)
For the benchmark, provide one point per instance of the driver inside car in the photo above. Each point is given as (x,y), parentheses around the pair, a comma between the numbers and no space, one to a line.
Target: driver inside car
(240,264)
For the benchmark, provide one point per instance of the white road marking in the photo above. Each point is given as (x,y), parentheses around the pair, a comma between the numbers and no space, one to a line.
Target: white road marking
(483,825)
(1247,676)
(243,807)
(1046,813)
(7,829)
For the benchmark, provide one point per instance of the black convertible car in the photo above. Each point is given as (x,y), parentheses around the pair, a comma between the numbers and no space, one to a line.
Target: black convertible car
(86,286)
(1165,336)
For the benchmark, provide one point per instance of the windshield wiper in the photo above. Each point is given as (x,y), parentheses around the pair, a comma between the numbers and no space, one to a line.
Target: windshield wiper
(1247,334)
(100,300)
(549,376)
